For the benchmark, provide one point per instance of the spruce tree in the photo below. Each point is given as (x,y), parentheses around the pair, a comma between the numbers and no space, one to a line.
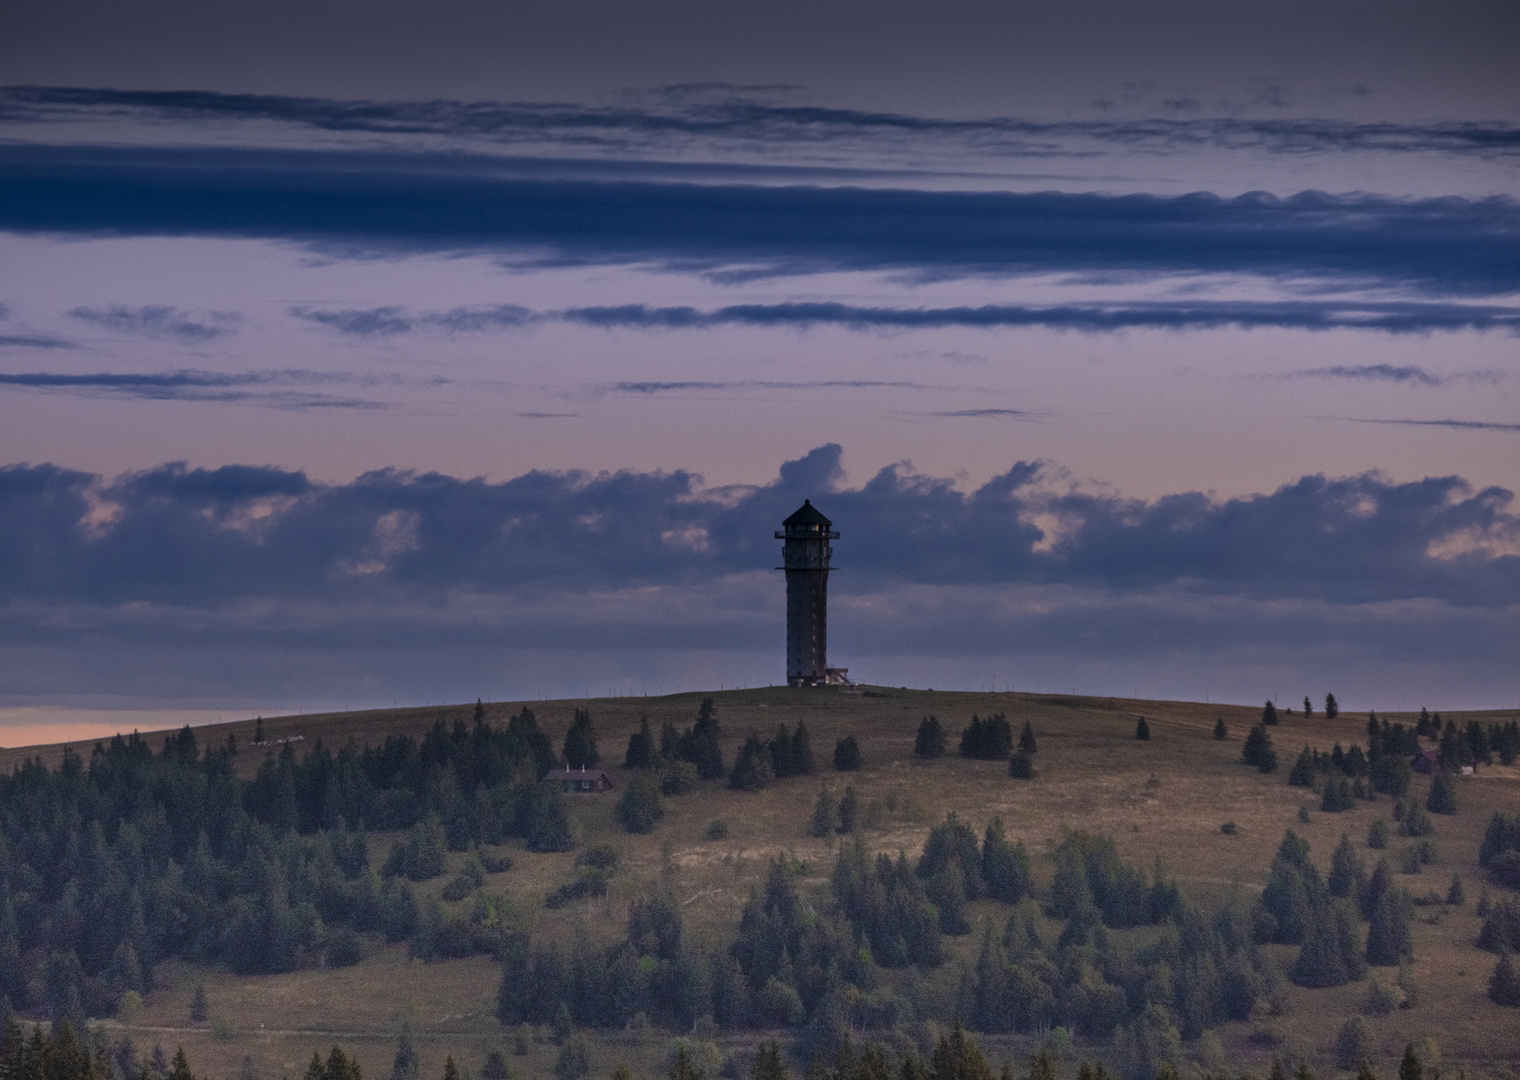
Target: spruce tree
(1308,707)
(1504,983)
(1142,729)
(930,741)
(1269,713)
(1026,739)
(847,754)
(849,810)
(1332,709)
(1005,866)
(580,742)
(1410,1067)
(1455,895)
(1346,871)
(768,1064)
(1257,750)
(640,806)
(1443,793)
(1220,731)
(641,752)
(825,815)
(1021,766)
(752,766)
(1388,937)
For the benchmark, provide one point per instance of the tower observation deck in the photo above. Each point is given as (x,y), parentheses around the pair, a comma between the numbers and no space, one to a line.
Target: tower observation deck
(806,554)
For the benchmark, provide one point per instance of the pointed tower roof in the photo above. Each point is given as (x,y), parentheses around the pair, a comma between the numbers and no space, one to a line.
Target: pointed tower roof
(807,514)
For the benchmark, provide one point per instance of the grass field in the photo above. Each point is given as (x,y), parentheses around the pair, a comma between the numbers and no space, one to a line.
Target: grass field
(1165,798)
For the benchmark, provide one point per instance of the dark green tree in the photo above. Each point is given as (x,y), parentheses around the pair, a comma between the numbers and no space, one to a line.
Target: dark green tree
(1442,798)
(1220,731)
(847,754)
(580,742)
(1021,766)
(1026,739)
(1455,896)
(849,810)
(930,741)
(958,1057)
(1388,937)
(1257,750)
(1410,1067)
(1332,709)
(1504,983)
(406,1065)
(1005,866)
(642,753)
(752,766)
(548,826)
(1269,714)
(1308,707)
(640,806)
(768,1064)
(825,815)
(1346,870)
(1142,729)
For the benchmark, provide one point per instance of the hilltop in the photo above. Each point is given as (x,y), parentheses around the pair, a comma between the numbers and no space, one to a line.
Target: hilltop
(1163,801)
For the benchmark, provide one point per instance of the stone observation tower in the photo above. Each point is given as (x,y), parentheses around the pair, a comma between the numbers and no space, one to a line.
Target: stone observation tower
(806,554)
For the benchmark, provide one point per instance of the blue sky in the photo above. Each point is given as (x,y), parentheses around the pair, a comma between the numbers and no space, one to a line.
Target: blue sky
(406,353)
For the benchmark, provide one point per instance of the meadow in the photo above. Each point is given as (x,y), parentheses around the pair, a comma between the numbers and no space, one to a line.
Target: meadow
(1167,798)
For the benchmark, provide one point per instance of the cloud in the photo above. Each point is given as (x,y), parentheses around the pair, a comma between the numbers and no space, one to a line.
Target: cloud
(172,535)
(195,386)
(760,384)
(160,321)
(395,203)
(717,114)
(1461,425)
(33,341)
(1015,414)
(1092,318)
(257,583)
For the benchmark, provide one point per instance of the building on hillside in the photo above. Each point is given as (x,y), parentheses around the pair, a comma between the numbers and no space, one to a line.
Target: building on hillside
(581,781)
(1427,762)
(806,555)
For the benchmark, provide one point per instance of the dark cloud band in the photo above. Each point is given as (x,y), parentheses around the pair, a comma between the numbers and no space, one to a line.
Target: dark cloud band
(718,113)
(408,203)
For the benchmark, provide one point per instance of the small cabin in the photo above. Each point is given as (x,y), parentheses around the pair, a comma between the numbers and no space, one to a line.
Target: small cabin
(581,781)
(1427,762)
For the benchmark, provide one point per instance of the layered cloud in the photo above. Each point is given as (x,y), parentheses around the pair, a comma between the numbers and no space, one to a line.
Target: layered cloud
(717,115)
(206,537)
(269,389)
(246,584)
(399,203)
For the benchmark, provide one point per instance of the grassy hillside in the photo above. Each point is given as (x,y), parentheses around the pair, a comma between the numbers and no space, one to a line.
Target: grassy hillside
(1165,798)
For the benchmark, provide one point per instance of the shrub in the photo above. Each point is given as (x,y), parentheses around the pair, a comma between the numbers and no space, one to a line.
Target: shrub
(641,806)
(587,886)
(1229,828)
(717,829)
(847,754)
(1381,998)
(1353,1045)
(930,742)
(345,948)
(600,857)
(1021,766)
(1337,796)
(419,856)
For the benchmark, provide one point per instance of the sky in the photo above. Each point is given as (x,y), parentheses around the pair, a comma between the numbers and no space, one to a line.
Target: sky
(354,355)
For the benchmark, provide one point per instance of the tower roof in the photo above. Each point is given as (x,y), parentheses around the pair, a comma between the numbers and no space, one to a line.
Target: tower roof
(807,514)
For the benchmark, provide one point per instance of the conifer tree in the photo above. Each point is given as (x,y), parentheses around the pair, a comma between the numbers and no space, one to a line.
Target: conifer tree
(1026,739)
(1410,1067)
(1504,984)
(1005,866)
(1257,750)
(1220,731)
(1346,871)
(1308,707)
(768,1064)
(1142,729)
(1455,895)
(1443,793)
(1021,766)
(825,815)
(849,810)
(580,742)
(1388,937)
(930,741)
(640,806)
(1269,713)
(847,754)
(641,752)
(1332,709)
